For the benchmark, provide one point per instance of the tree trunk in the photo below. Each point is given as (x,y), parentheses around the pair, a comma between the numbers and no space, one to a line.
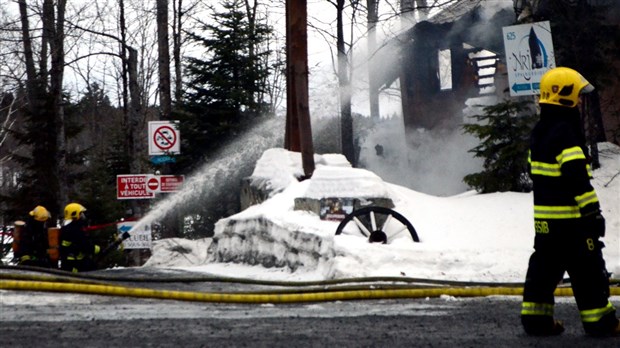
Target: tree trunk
(250,11)
(176,51)
(346,121)
(373,88)
(298,135)
(125,60)
(56,80)
(31,71)
(163,59)
(135,110)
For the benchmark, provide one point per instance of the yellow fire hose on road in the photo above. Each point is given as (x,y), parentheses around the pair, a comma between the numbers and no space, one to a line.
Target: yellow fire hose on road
(30,279)
(273,297)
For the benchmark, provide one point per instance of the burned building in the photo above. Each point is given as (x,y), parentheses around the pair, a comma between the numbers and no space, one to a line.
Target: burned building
(458,54)
(446,60)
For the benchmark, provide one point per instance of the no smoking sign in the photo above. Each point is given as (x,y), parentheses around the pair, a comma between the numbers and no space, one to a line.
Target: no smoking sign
(164,138)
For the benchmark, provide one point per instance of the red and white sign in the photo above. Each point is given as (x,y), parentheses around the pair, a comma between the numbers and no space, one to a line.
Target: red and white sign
(171,183)
(152,184)
(132,186)
(164,138)
(165,183)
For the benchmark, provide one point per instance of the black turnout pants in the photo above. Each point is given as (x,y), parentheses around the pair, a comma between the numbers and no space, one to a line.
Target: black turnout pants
(568,246)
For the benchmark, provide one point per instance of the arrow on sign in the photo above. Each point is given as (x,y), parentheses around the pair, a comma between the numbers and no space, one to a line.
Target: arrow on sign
(124,228)
(518,87)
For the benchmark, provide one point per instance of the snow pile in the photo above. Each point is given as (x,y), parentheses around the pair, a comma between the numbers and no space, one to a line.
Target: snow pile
(281,168)
(330,181)
(467,237)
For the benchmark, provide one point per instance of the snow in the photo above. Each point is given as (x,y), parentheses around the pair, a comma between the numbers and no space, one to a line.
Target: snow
(465,237)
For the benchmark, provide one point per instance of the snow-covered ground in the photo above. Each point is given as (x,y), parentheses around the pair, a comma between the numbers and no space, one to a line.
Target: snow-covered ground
(466,237)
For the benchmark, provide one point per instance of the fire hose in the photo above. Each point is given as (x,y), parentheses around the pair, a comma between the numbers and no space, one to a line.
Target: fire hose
(317,291)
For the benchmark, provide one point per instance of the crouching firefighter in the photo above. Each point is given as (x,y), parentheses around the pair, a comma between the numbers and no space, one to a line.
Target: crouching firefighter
(567,215)
(77,251)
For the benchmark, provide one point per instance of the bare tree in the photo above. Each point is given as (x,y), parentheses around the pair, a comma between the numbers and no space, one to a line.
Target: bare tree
(165,102)
(344,84)
(41,84)
(373,88)
(177,28)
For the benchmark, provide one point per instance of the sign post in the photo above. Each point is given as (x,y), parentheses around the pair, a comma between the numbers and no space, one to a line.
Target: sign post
(529,55)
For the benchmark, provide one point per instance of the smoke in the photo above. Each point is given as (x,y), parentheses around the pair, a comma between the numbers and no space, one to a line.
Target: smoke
(431,162)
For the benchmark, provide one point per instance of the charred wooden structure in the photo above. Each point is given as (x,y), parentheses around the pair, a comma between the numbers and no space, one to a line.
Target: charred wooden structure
(463,31)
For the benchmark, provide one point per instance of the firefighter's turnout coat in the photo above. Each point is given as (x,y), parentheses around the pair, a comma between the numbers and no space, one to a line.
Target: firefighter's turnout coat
(568,224)
(76,248)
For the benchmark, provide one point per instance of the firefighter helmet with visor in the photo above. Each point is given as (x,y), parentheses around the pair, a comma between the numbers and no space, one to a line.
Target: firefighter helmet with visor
(74,211)
(562,86)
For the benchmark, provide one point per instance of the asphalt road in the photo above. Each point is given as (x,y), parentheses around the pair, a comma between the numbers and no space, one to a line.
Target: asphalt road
(29,319)
(46,319)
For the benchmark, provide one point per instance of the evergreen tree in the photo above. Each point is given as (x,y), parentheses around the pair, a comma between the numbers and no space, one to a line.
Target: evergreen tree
(98,155)
(583,39)
(37,184)
(504,131)
(224,87)
(223,99)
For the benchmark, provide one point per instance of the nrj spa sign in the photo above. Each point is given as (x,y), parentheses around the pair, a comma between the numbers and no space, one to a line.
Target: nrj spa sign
(529,54)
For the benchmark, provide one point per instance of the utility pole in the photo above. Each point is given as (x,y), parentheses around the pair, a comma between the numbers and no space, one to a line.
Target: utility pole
(298,135)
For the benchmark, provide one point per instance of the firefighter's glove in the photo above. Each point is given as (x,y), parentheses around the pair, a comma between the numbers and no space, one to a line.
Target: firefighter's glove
(97,249)
(595,224)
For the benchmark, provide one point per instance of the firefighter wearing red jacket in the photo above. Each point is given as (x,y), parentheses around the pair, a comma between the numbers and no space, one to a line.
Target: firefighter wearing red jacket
(567,215)
(76,249)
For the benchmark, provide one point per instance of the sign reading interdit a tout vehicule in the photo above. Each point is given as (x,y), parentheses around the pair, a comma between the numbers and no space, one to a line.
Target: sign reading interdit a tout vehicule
(529,54)
(133,186)
(144,186)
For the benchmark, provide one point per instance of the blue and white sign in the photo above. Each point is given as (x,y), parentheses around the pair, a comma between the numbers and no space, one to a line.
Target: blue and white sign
(162,159)
(141,238)
(529,55)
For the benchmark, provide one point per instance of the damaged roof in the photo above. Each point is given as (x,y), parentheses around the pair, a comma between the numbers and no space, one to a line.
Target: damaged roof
(460,21)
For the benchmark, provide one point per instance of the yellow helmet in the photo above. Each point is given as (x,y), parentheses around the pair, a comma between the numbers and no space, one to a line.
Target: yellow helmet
(562,86)
(73,211)
(39,213)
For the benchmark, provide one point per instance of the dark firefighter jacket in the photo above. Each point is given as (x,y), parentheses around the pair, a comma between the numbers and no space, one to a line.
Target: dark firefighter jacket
(74,243)
(33,242)
(559,166)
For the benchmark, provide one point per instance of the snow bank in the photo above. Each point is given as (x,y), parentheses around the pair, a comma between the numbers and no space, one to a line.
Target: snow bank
(467,237)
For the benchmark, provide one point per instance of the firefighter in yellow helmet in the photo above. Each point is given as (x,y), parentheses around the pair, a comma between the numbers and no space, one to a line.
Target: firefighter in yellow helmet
(76,248)
(567,215)
(33,242)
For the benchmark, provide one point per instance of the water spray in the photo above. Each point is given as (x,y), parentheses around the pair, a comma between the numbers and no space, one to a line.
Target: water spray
(245,149)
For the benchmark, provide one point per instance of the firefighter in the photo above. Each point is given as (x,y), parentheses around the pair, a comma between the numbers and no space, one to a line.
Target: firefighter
(76,249)
(33,243)
(567,215)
